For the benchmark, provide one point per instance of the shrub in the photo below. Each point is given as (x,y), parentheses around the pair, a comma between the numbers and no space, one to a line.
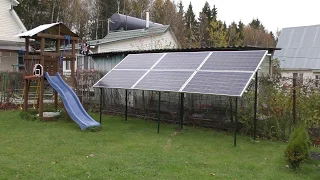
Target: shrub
(31,115)
(298,149)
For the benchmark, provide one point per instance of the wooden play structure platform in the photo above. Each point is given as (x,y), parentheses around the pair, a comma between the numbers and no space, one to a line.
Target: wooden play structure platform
(64,40)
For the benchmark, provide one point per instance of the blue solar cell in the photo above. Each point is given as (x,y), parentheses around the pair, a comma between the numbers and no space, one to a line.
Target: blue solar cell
(182,60)
(219,83)
(123,79)
(164,80)
(139,61)
(234,60)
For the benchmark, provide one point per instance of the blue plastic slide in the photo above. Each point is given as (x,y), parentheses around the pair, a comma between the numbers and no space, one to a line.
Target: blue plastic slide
(71,102)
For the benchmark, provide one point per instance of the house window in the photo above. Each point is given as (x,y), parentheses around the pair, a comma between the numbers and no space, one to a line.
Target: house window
(67,68)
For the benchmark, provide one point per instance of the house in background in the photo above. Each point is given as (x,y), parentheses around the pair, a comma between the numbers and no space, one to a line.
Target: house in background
(300,51)
(139,39)
(10,44)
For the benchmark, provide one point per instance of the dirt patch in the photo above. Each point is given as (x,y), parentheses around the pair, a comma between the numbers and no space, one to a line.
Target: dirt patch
(169,142)
(315,155)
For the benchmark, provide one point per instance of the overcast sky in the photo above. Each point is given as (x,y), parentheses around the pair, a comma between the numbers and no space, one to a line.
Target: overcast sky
(272,13)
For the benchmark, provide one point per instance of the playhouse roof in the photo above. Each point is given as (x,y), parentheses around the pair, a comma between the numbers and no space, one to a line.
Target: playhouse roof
(49,28)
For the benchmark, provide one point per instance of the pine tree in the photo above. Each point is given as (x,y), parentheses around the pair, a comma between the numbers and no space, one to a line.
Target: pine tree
(233,35)
(180,28)
(191,25)
(214,12)
(207,11)
(218,35)
(240,31)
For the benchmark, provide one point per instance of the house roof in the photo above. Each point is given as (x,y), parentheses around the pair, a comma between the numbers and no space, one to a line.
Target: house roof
(49,28)
(14,2)
(10,21)
(124,35)
(300,48)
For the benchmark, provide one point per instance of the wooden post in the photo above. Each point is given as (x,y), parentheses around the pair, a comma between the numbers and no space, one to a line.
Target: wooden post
(73,63)
(57,69)
(26,92)
(26,85)
(41,105)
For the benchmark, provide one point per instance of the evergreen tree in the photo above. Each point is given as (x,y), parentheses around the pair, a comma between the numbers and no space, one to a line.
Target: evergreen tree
(191,25)
(240,31)
(207,11)
(180,28)
(214,12)
(256,24)
(233,35)
(204,20)
(218,35)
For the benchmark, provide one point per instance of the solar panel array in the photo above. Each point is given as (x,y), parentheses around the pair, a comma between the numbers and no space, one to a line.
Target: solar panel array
(218,72)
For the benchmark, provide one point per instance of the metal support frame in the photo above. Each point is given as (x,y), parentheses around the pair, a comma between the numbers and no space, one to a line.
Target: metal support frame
(159,105)
(294,98)
(236,122)
(255,107)
(101,95)
(126,113)
(181,110)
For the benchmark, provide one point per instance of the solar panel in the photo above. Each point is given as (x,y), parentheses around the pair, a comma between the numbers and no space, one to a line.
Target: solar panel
(219,72)
(219,83)
(139,61)
(234,60)
(182,60)
(164,80)
(123,79)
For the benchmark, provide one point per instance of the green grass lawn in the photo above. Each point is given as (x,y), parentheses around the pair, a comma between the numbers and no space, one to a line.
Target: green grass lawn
(134,150)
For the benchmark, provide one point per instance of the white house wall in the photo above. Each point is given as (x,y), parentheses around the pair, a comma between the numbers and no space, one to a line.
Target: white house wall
(307,74)
(164,41)
(7,59)
(10,25)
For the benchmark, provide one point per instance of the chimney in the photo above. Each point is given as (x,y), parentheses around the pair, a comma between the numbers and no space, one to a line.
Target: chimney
(147,20)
